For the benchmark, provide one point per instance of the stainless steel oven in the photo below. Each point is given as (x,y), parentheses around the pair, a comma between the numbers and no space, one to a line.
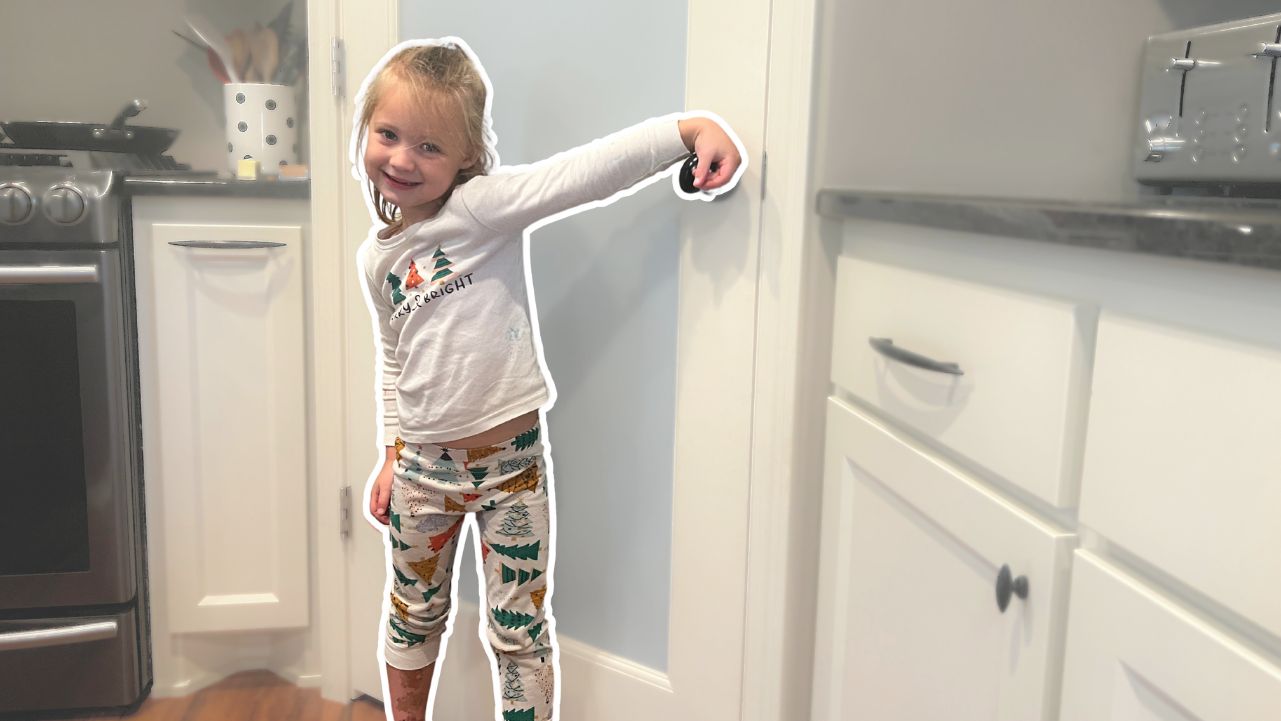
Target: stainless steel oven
(73,625)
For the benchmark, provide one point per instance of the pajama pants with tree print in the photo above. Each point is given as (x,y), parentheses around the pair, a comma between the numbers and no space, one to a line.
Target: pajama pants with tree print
(505,485)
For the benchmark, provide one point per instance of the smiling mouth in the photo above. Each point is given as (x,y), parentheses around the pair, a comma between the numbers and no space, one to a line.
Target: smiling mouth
(398,183)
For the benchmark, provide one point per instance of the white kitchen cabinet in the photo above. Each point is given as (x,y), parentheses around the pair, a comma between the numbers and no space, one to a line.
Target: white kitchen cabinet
(909,627)
(1013,405)
(223,367)
(1133,654)
(1182,464)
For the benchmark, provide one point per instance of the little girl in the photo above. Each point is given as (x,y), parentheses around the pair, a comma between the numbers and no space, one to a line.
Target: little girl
(462,375)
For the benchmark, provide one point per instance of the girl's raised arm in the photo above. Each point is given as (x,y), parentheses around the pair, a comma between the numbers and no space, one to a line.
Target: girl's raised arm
(512,198)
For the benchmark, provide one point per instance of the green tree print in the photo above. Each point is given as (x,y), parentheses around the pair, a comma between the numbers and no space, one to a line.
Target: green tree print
(511,619)
(396,295)
(442,266)
(521,553)
(518,575)
(526,439)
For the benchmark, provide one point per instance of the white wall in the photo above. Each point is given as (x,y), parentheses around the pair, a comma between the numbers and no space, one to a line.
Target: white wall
(81,60)
(565,73)
(1019,98)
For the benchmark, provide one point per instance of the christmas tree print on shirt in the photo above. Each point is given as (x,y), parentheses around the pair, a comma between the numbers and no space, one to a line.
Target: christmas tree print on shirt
(413,279)
(441,273)
(396,295)
(442,267)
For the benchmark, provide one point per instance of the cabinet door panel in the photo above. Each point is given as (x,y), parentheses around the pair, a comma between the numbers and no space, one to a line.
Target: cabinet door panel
(1183,425)
(1135,655)
(909,627)
(231,420)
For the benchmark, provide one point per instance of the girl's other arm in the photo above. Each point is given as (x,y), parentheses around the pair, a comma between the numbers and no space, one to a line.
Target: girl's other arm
(380,491)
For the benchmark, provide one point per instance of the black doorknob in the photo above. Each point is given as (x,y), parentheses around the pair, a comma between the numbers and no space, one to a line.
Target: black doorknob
(687,173)
(1007,585)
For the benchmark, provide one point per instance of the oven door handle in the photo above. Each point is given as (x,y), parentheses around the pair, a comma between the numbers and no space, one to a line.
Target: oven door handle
(46,274)
(227,244)
(44,637)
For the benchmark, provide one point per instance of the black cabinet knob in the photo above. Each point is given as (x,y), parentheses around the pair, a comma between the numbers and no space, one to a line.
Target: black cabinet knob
(1007,585)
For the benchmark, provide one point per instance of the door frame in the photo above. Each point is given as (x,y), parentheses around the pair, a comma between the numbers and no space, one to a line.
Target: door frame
(750,273)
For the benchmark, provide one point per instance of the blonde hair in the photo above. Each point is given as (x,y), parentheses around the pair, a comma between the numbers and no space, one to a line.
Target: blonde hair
(443,78)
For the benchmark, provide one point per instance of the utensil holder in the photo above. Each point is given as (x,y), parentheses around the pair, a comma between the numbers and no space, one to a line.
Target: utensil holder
(262,123)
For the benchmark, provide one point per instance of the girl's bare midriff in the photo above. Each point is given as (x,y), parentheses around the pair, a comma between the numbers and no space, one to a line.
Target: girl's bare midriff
(504,431)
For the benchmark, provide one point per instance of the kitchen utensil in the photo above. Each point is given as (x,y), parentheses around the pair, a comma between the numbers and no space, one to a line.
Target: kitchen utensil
(239,51)
(55,135)
(215,64)
(265,52)
(291,63)
(270,60)
(130,110)
(201,46)
(281,23)
(210,37)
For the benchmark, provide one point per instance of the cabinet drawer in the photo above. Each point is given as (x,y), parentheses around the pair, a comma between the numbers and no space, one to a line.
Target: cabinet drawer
(1017,410)
(1182,462)
(1132,653)
(908,621)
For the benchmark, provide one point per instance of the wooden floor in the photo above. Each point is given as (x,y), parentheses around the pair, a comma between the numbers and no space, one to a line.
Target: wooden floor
(252,696)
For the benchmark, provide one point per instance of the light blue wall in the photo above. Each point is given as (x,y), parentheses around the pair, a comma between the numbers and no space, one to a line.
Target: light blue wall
(565,73)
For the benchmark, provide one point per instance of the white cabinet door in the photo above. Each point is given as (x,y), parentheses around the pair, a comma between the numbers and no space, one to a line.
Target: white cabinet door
(221,332)
(1183,425)
(908,627)
(1135,655)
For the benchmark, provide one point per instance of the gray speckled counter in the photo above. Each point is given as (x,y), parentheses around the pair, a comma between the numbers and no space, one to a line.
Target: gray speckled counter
(1224,230)
(196,185)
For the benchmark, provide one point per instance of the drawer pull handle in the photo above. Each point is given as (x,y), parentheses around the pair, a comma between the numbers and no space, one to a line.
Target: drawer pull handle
(1007,585)
(886,347)
(227,244)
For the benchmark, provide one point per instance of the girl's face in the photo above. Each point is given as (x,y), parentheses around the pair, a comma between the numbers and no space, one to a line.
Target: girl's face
(412,156)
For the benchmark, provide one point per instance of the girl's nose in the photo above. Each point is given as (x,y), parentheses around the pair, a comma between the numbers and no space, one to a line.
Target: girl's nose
(399,158)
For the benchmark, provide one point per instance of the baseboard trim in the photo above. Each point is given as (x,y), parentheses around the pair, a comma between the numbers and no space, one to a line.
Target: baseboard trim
(600,684)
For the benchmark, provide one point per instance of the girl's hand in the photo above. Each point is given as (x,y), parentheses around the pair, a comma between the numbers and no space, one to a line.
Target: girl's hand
(715,149)
(380,494)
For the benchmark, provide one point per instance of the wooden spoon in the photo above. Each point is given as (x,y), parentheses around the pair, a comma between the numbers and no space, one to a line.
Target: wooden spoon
(268,56)
(239,52)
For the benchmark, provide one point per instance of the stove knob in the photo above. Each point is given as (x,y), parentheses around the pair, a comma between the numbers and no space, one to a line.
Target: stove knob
(15,205)
(64,205)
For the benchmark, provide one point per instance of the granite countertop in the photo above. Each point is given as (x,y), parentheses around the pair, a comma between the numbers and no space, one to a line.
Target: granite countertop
(1224,230)
(198,184)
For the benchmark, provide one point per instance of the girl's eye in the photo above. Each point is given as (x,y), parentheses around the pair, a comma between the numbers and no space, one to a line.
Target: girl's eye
(429,148)
(387,134)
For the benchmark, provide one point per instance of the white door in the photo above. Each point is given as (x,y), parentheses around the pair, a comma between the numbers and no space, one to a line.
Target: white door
(1135,654)
(909,627)
(698,673)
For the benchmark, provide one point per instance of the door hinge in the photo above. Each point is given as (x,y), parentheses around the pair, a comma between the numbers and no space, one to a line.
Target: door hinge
(344,511)
(336,67)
